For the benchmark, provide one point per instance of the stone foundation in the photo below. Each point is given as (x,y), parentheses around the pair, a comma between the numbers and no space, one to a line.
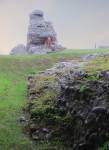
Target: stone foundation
(78,114)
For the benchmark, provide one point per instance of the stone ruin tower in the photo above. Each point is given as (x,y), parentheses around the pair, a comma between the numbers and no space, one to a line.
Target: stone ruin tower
(38,32)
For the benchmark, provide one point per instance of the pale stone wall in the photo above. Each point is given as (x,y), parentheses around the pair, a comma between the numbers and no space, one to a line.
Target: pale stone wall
(38,32)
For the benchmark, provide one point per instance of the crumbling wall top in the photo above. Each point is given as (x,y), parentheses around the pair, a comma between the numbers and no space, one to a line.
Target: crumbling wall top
(37,12)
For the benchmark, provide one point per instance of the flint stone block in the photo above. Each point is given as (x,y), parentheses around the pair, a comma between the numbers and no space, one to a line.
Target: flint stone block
(107,73)
(41,72)
(49,73)
(48,136)
(73,71)
(83,73)
(76,67)
(63,109)
(59,101)
(70,78)
(78,72)
(106,86)
(80,116)
(29,85)
(78,81)
(100,75)
(63,102)
(34,137)
(76,88)
(22,119)
(101,82)
(31,81)
(99,109)
(71,89)
(84,146)
(107,147)
(30,77)
(70,82)
(45,130)
(100,90)
(50,70)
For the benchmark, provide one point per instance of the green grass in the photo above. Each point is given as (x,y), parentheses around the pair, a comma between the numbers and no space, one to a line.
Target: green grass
(98,64)
(14,70)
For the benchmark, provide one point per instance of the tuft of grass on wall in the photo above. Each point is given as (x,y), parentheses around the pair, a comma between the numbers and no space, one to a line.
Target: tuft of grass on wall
(101,63)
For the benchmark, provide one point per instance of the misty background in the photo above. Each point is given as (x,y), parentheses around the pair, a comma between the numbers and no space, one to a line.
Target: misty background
(79,23)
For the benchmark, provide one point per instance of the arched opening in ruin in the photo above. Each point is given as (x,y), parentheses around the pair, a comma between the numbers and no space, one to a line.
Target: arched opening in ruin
(39,41)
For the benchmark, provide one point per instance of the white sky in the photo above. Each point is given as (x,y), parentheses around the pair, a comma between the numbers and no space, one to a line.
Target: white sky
(79,23)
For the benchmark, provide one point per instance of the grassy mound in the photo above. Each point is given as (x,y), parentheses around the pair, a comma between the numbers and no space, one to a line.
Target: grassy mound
(14,70)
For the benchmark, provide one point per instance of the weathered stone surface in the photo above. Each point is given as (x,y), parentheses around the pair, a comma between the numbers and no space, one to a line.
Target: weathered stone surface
(99,110)
(84,146)
(45,130)
(48,136)
(38,32)
(107,147)
(21,119)
(35,137)
(20,49)
(40,72)
(95,56)
(30,76)
(85,106)
(107,73)
(38,50)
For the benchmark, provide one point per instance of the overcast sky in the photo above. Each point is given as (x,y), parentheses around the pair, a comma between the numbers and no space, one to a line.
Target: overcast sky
(79,23)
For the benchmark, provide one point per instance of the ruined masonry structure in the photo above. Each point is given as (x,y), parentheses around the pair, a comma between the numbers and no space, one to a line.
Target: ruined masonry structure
(38,32)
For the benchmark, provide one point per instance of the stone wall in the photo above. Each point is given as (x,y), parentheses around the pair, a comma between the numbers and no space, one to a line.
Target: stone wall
(38,32)
(20,49)
(103,46)
(80,108)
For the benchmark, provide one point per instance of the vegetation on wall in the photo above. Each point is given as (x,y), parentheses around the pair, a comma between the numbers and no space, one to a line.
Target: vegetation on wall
(14,70)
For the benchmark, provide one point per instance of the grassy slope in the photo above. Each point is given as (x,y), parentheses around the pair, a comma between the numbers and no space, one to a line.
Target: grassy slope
(14,70)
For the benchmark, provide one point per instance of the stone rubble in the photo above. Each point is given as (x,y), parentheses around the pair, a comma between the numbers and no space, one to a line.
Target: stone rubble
(86,101)
(68,63)
(95,55)
(20,49)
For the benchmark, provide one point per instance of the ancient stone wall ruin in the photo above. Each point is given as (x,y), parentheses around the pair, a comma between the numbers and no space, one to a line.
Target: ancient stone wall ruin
(79,114)
(39,29)
(103,46)
(38,32)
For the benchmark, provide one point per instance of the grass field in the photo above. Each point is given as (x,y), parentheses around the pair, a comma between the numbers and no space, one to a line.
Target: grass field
(14,70)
